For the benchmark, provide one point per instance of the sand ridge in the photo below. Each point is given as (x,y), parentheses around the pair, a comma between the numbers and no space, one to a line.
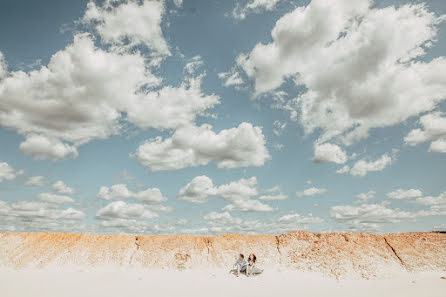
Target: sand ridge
(343,255)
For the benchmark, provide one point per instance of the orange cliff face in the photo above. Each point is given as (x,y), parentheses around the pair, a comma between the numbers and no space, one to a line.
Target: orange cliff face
(338,254)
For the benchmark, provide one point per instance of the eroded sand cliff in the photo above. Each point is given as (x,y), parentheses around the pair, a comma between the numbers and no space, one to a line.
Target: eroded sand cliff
(342,255)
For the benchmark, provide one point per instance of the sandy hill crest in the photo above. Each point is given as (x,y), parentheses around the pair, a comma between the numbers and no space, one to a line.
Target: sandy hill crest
(356,255)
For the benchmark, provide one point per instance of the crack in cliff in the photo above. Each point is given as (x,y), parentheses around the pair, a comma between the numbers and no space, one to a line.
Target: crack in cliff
(137,242)
(208,243)
(394,252)
(278,247)
(137,248)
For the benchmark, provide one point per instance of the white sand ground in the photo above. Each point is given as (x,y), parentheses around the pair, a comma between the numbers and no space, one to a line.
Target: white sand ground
(111,282)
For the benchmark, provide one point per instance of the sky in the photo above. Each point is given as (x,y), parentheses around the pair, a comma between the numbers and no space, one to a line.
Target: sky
(212,117)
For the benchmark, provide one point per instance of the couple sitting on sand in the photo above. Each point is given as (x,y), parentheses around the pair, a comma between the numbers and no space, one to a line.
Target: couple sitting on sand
(247,267)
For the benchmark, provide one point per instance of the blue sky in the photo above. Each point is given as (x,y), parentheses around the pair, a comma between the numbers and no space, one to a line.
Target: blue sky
(209,117)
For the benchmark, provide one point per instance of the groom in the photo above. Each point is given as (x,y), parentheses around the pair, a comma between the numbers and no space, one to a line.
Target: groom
(240,264)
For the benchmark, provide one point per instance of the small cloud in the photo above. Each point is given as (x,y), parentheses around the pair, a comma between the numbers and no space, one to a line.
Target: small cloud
(404,194)
(178,3)
(364,197)
(362,167)
(344,169)
(120,191)
(52,198)
(434,130)
(231,78)
(311,192)
(329,153)
(239,193)
(279,127)
(278,146)
(36,181)
(61,187)
(193,65)
(42,147)
(368,217)
(241,11)
(274,193)
(7,172)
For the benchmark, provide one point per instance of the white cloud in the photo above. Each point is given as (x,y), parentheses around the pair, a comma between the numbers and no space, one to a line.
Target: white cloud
(52,198)
(87,94)
(270,197)
(432,200)
(224,222)
(36,181)
(368,217)
(278,146)
(160,209)
(193,65)
(242,146)
(32,206)
(98,93)
(362,167)
(125,217)
(364,197)
(244,188)
(279,127)
(178,3)
(198,190)
(37,216)
(221,218)
(404,194)
(230,78)
(295,218)
(120,191)
(117,191)
(122,210)
(441,227)
(71,214)
(437,204)
(170,107)
(182,222)
(343,169)
(7,172)
(274,193)
(129,24)
(3,66)
(372,74)
(61,187)
(434,129)
(150,195)
(372,217)
(239,193)
(327,152)
(311,192)
(438,146)
(43,147)
(127,225)
(241,11)
(247,205)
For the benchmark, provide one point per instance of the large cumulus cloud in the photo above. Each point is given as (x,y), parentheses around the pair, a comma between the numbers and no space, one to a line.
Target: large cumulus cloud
(360,67)
(241,146)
